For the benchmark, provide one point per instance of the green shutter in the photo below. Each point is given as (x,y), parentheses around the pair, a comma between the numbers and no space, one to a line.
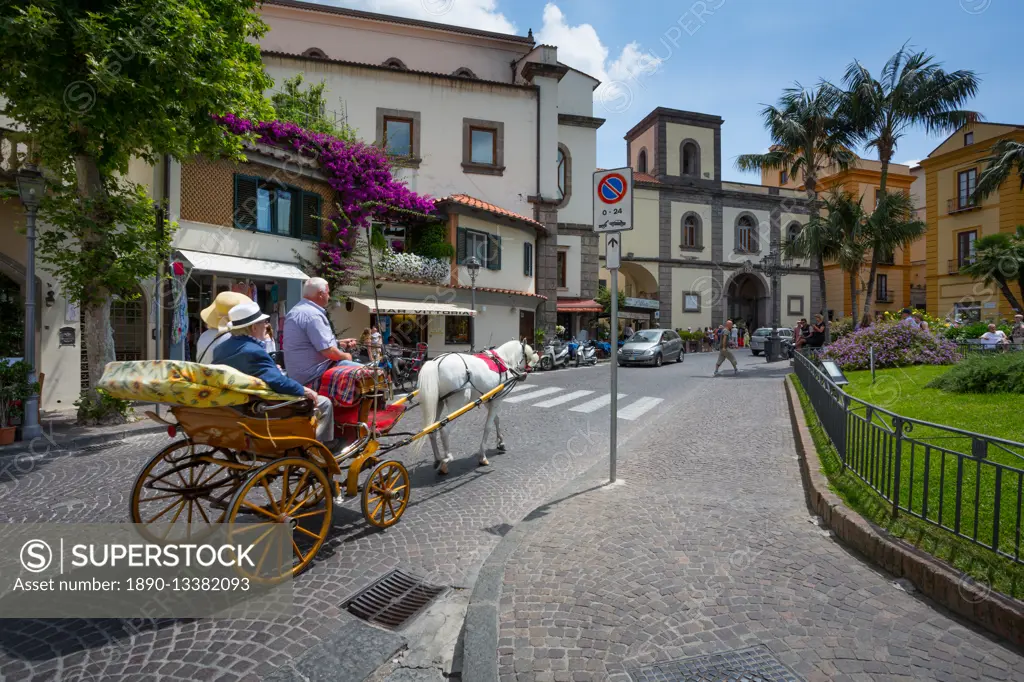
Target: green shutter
(311,218)
(528,259)
(245,201)
(493,252)
(460,246)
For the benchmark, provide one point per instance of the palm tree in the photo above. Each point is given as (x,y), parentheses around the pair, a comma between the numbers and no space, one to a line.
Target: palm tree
(807,137)
(1007,155)
(997,258)
(892,225)
(913,91)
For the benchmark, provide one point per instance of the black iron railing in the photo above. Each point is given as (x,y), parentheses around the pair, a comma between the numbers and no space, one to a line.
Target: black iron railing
(977,347)
(969,484)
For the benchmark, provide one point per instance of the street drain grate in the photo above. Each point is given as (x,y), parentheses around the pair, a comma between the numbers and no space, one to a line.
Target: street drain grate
(754,664)
(394,600)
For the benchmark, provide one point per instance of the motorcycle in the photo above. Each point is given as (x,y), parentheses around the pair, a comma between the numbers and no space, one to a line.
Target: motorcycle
(586,353)
(555,355)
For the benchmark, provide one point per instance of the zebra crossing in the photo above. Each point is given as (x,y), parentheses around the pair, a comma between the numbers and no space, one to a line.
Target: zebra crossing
(547,397)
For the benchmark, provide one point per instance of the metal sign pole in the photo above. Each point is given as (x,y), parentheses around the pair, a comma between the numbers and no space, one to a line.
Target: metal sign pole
(615,371)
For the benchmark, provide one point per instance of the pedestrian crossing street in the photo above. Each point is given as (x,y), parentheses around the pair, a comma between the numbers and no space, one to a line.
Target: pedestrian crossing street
(581,401)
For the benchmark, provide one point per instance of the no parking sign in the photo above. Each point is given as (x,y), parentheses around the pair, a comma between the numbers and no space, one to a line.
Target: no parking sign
(613,200)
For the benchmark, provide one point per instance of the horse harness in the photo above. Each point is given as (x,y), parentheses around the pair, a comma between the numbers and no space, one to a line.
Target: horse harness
(504,372)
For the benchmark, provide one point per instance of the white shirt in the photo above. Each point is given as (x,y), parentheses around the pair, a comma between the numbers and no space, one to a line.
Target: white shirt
(270,344)
(990,339)
(204,344)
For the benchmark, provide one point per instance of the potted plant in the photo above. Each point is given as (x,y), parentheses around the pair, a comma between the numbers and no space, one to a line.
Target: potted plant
(14,389)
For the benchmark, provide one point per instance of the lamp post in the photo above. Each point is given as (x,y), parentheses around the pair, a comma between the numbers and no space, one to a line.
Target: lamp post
(31,186)
(773,264)
(473,265)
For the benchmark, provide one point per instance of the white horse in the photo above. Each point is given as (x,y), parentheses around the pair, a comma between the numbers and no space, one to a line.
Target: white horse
(465,374)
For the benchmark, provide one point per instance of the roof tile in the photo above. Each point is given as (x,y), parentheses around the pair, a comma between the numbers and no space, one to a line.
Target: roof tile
(473,202)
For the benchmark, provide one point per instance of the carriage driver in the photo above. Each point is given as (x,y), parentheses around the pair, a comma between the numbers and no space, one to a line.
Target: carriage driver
(310,348)
(244,352)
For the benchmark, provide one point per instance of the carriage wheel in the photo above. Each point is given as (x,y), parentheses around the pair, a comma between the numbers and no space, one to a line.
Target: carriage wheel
(278,493)
(386,494)
(179,496)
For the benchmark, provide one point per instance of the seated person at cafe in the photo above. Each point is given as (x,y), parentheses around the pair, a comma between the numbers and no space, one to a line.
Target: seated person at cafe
(243,351)
(309,346)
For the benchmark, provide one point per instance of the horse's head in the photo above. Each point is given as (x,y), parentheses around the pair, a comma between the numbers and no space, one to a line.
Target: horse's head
(529,358)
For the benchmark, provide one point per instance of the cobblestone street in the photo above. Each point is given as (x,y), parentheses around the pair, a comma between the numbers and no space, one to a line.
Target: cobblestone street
(706,546)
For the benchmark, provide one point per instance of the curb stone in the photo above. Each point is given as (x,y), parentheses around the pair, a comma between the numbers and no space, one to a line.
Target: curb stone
(77,442)
(997,613)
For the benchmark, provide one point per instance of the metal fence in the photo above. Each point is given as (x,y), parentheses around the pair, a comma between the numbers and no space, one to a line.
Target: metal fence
(967,483)
(976,347)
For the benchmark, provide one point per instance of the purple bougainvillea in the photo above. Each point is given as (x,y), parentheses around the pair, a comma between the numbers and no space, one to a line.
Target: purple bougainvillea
(358,172)
(895,344)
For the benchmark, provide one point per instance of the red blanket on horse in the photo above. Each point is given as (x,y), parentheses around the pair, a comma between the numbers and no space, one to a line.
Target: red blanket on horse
(494,362)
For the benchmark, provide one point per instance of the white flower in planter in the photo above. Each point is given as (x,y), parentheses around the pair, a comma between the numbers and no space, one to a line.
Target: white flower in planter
(412,266)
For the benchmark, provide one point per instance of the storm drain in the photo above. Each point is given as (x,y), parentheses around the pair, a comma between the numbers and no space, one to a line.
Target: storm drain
(394,600)
(754,664)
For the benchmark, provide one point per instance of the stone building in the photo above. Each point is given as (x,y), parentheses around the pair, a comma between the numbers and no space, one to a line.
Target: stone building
(693,258)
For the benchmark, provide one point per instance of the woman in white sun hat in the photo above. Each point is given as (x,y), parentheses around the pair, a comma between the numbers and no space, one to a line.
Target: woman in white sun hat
(243,351)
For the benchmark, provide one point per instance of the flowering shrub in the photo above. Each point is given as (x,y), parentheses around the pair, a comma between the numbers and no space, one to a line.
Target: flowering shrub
(972,330)
(412,266)
(358,172)
(896,345)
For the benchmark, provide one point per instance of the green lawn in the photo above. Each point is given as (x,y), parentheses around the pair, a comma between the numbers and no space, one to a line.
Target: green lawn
(903,391)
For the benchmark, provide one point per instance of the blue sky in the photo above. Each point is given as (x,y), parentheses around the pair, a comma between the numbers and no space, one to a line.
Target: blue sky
(741,53)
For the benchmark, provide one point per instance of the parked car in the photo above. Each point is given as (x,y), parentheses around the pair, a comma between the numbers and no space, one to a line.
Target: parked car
(651,347)
(759,338)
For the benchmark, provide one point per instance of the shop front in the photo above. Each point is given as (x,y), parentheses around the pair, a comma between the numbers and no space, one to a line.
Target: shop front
(578,317)
(642,313)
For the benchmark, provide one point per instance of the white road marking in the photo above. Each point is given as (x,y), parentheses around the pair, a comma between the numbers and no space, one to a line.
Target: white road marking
(524,387)
(562,399)
(638,408)
(595,404)
(533,394)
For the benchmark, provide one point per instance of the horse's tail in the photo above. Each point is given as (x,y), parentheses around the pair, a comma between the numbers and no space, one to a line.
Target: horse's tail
(428,385)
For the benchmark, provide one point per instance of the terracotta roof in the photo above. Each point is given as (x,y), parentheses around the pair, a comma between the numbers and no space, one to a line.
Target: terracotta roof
(390,19)
(473,202)
(644,177)
(579,305)
(515,292)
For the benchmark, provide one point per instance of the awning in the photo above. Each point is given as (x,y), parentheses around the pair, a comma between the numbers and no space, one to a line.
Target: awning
(242,267)
(393,306)
(579,306)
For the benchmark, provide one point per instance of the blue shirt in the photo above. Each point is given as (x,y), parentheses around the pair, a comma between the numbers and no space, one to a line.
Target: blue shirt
(247,355)
(306,334)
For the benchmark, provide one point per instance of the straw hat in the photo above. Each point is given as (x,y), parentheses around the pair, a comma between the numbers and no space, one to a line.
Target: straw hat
(245,314)
(215,315)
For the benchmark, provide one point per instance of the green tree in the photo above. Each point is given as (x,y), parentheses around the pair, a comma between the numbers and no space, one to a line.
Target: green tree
(807,137)
(1006,158)
(99,83)
(999,258)
(308,108)
(604,298)
(912,91)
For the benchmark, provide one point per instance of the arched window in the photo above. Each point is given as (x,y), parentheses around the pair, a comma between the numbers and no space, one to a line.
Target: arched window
(641,161)
(746,234)
(315,52)
(792,232)
(690,158)
(564,173)
(691,236)
(395,63)
(463,72)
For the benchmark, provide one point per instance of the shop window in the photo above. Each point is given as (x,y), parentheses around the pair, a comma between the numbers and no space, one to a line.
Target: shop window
(408,330)
(266,206)
(458,329)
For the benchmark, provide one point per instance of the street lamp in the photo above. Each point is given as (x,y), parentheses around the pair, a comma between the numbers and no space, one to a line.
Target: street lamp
(31,186)
(773,264)
(473,265)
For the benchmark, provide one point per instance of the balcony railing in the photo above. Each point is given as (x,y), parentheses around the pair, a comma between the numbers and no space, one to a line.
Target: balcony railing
(883,297)
(960,204)
(956,263)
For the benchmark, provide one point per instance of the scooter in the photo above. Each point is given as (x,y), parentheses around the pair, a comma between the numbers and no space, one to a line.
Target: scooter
(586,354)
(555,355)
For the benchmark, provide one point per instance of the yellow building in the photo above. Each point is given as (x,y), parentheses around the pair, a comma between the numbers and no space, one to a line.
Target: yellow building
(955,220)
(893,279)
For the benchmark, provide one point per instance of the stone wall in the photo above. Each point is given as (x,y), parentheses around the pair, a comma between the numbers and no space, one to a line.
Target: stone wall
(589,248)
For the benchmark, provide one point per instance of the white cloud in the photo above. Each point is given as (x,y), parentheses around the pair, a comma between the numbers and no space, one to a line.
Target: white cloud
(481,14)
(911,163)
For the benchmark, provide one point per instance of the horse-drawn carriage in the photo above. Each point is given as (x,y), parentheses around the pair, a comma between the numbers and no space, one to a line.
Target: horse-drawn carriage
(248,454)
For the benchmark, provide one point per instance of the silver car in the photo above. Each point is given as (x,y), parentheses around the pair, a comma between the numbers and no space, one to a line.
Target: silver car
(760,337)
(651,347)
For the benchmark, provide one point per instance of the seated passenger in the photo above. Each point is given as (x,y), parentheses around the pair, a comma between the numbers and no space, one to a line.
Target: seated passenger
(215,316)
(243,351)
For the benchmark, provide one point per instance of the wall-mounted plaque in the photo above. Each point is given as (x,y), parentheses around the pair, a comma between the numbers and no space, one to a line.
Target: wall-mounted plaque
(67,336)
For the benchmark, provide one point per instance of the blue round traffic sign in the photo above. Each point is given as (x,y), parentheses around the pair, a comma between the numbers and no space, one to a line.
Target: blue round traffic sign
(612,188)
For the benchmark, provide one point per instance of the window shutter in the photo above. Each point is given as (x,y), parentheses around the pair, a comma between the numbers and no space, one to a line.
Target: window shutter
(245,201)
(527,259)
(310,225)
(460,246)
(493,252)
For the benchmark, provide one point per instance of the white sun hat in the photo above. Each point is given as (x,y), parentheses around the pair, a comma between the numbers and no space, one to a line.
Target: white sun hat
(245,314)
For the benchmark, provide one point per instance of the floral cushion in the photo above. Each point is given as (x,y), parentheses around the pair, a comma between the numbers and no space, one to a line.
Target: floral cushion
(183,383)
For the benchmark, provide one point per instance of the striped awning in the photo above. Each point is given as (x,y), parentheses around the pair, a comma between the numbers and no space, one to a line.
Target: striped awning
(397,306)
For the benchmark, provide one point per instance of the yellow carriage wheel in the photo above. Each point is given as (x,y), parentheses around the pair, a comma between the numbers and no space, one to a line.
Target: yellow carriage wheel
(280,493)
(386,494)
(183,491)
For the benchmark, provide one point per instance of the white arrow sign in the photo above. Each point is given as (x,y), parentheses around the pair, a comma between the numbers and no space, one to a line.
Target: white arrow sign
(613,250)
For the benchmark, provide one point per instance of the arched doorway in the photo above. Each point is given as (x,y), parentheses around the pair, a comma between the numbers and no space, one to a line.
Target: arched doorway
(747,300)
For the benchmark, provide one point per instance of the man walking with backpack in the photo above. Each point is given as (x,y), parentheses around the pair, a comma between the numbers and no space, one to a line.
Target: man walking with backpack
(725,344)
